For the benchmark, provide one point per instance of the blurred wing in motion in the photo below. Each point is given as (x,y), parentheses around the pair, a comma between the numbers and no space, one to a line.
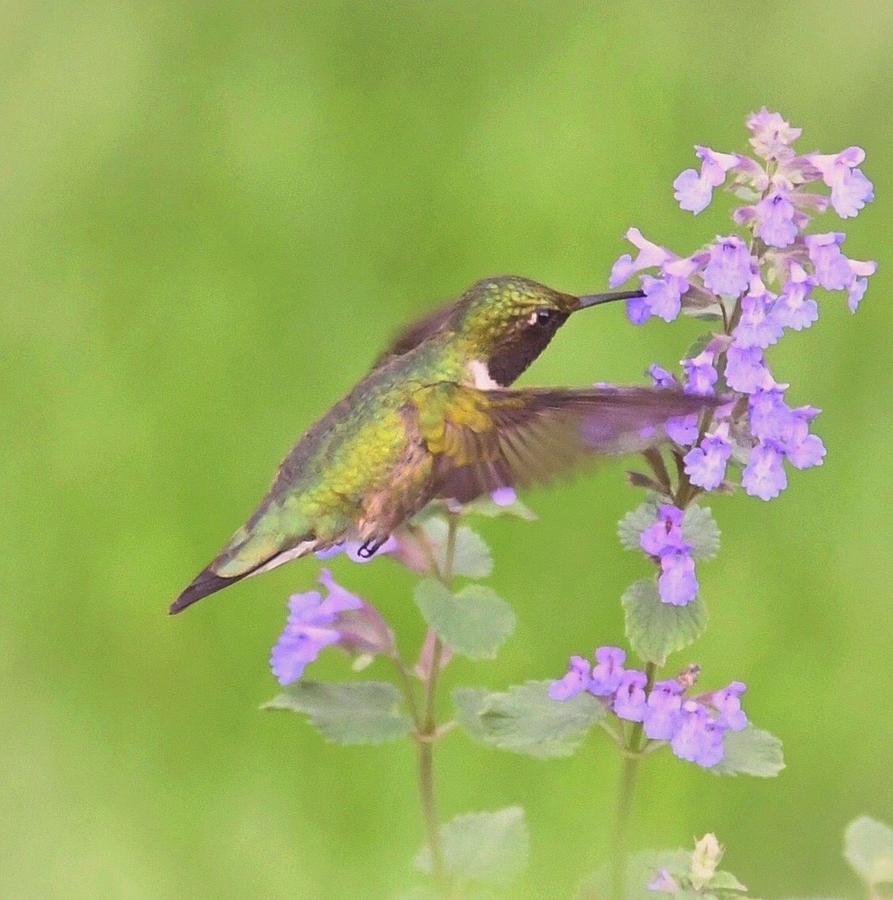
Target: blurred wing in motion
(484,440)
(415,333)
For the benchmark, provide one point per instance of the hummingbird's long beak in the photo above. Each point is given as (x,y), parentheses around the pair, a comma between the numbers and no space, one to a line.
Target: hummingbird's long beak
(596,299)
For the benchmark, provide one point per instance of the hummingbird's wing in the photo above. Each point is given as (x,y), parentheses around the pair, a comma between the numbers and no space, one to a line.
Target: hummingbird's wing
(484,440)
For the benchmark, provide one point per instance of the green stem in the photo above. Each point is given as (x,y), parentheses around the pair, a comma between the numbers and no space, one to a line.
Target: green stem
(625,797)
(427,732)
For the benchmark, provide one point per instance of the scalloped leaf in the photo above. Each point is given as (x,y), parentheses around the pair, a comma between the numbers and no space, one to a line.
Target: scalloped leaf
(489,847)
(699,529)
(750,752)
(656,629)
(356,712)
(474,622)
(524,719)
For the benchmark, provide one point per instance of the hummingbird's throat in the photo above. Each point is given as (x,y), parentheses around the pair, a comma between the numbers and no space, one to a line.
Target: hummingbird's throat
(479,373)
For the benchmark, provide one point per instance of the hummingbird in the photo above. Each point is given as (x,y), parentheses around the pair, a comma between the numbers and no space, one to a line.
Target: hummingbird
(436,417)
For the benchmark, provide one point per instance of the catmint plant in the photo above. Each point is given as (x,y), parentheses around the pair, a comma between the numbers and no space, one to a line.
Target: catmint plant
(753,285)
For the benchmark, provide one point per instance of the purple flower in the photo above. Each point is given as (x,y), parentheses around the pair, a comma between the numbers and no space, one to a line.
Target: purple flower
(677,583)
(574,682)
(638,311)
(833,270)
(803,450)
(705,464)
(665,533)
(650,256)
(756,327)
(728,270)
(504,496)
(745,369)
(700,374)
(698,738)
(794,309)
(629,701)
(855,293)
(727,703)
(692,190)
(764,476)
(662,378)
(352,551)
(315,623)
(662,710)
(769,415)
(683,429)
(608,671)
(663,296)
(772,136)
(664,883)
(775,220)
(850,189)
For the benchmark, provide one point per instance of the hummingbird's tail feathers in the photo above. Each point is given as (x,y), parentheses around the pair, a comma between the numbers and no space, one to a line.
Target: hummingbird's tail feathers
(204,584)
(209,581)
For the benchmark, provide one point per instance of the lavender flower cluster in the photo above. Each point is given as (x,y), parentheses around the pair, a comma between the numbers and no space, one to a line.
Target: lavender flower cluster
(694,726)
(728,279)
(677,583)
(314,623)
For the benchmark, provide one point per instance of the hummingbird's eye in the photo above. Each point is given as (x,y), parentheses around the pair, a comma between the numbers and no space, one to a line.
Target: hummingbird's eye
(541,316)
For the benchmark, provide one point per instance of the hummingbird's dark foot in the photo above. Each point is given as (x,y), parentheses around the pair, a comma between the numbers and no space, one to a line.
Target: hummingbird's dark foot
(371,547)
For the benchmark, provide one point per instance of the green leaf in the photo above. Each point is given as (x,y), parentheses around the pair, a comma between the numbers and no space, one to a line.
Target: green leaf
(726,881)
(358,712)
(486,846)
(699,529)
(472,558)
(631,526)
(524,719)
(750,752)
(474,622)
(641,868)
(656,629)
(868,848)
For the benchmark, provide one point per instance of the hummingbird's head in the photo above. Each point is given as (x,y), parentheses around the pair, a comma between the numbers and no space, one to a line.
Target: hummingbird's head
(507,321)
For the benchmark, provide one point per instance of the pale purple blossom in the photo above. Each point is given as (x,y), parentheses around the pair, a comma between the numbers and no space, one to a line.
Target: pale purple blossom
(677,583)
(315,623)
(607,673)
(630,700)
(850,189)
(575,681)
(764,476)
(727,703)
(663,296)
(772,135)
(664,883)
(794,308)
(662,710)
(746,371)
(775,220)
(706,464)
(650,256)
(697,738)
(728,271)
(661,377)
(683,430)
(701,376)
(665,533)
(756,327)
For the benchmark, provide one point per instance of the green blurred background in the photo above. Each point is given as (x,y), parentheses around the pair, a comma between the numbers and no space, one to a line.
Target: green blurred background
(212,217)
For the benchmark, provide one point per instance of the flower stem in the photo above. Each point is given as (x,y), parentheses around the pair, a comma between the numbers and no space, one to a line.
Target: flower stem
(427,731)
(625,797)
